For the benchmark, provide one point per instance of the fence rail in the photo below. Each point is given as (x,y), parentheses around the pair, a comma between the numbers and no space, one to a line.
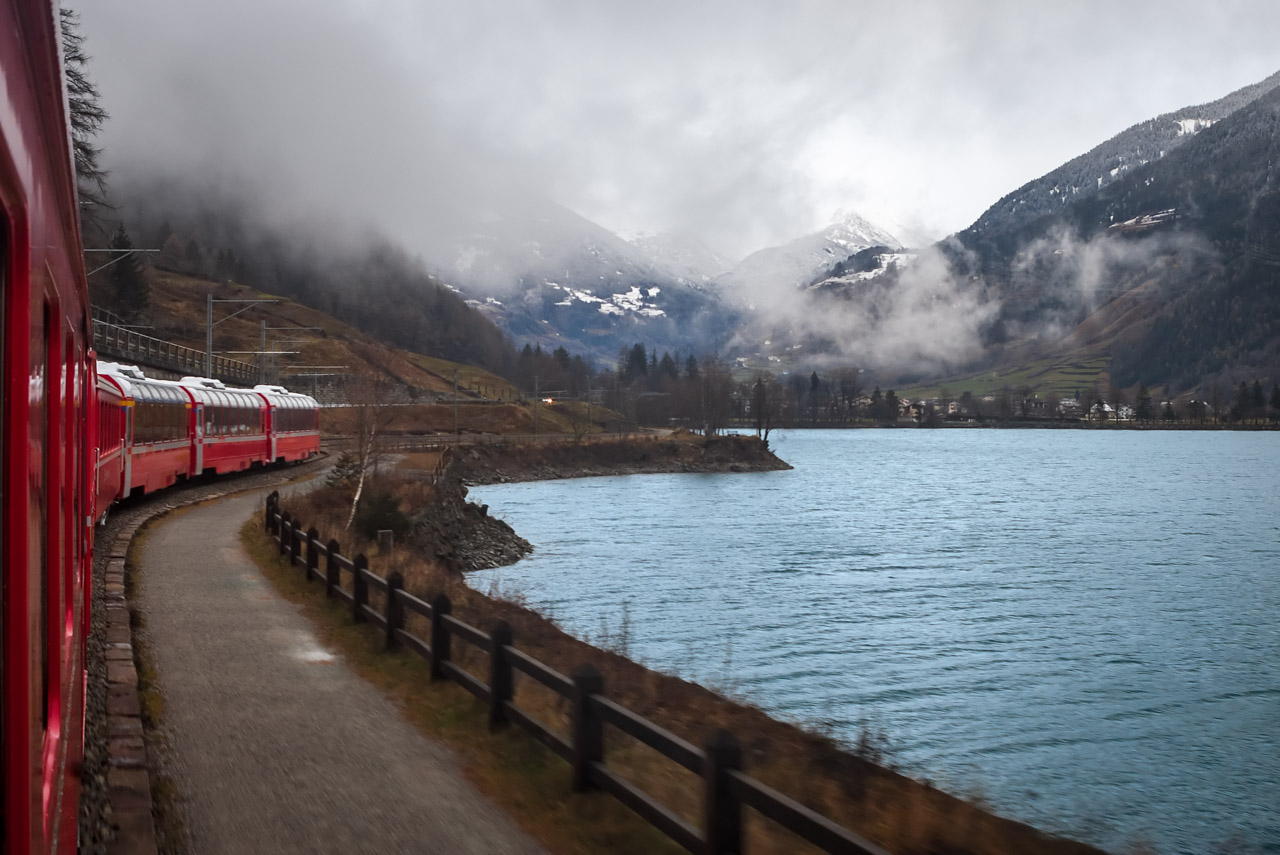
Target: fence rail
(727,790)
(118,342)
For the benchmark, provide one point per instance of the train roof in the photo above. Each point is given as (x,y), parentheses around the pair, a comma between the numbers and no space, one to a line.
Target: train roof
(202,389)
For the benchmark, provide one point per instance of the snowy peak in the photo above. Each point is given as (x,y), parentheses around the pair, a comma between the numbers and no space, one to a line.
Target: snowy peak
(796,264)
(849,229)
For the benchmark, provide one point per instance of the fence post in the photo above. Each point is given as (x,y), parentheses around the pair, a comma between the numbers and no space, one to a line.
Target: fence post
(313,552)
(500,678)
(295,544)
(273,502)
(359,589)
(332,571)
(722,824)
(285,524)
(440,653)
(394,608)
(588,731)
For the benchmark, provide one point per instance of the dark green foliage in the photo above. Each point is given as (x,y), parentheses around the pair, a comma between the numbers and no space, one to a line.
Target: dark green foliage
(128,293)
(1240,407)
(1143,409)
(1275,402)
(379,511)
(345,471)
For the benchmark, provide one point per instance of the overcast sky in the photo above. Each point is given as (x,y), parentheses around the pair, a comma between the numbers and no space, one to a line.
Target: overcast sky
(743,123)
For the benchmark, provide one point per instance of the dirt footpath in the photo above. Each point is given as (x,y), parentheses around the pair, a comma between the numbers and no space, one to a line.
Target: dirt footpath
(273,743)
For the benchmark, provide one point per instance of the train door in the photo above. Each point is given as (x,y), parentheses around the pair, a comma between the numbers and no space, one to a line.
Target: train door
(126,443)
(269,424)
(198,409)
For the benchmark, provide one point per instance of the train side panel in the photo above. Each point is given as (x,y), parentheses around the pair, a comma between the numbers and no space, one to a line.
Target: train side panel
(44,372)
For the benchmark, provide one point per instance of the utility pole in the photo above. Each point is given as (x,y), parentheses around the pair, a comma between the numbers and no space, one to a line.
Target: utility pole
(209,325)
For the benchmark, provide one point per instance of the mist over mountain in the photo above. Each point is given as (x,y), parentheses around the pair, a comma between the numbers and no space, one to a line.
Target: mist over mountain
(1111,161)
(1171,268)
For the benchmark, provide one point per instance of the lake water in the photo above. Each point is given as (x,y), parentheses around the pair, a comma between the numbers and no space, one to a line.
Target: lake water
(1080,626)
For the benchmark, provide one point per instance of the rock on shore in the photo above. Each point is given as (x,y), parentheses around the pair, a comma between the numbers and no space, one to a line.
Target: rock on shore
(461,535)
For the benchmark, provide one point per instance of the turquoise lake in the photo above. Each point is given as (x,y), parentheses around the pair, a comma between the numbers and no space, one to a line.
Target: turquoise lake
(1081,627)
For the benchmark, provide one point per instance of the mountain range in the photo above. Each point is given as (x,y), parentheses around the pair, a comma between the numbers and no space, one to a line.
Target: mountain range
(1159,248)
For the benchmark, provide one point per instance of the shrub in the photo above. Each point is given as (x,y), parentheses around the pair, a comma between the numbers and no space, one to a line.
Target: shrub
(379,511)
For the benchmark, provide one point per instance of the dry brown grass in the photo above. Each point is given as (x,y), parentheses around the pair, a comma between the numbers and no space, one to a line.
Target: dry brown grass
(901,814)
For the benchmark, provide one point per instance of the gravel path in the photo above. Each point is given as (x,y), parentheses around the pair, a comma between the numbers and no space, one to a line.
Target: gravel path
(273,743)
(96,831)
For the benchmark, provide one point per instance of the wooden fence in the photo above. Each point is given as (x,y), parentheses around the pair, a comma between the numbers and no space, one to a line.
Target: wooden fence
(727,788)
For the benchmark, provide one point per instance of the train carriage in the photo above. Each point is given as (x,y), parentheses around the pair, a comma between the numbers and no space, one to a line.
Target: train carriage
(294,424)
(158,428)
(231,426)
(46,459)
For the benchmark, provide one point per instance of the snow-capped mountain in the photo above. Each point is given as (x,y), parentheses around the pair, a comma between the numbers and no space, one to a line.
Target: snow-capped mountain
(547,274)
(777,269)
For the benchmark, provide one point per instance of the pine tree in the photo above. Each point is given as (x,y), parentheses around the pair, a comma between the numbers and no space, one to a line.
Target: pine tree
(1275,402)
(1240,409)
(1143,410)
(127,283)
(691,367)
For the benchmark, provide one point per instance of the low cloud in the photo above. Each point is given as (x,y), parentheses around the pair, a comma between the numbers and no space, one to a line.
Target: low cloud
(919,317)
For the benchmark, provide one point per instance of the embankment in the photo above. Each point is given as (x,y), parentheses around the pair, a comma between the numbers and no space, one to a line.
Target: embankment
(681,452)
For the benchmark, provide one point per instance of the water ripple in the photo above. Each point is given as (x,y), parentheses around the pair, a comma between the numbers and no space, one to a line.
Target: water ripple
(1080,624)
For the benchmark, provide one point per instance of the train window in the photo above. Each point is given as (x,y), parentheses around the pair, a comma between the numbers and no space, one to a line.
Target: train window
(49,435)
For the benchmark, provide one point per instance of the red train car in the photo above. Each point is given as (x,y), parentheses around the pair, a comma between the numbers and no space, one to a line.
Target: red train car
(157,425)
(294,424)
(230,427)
(46,465)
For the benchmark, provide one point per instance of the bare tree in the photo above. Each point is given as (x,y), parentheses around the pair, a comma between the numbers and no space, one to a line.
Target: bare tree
(372,398)
(87,118)
(767,401)
(578,414)
(717,397)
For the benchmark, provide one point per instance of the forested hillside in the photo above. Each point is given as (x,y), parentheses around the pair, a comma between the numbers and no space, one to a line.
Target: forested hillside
(361,279)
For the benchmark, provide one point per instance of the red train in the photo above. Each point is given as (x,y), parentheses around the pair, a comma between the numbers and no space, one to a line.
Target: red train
(72,442)
(154,433)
